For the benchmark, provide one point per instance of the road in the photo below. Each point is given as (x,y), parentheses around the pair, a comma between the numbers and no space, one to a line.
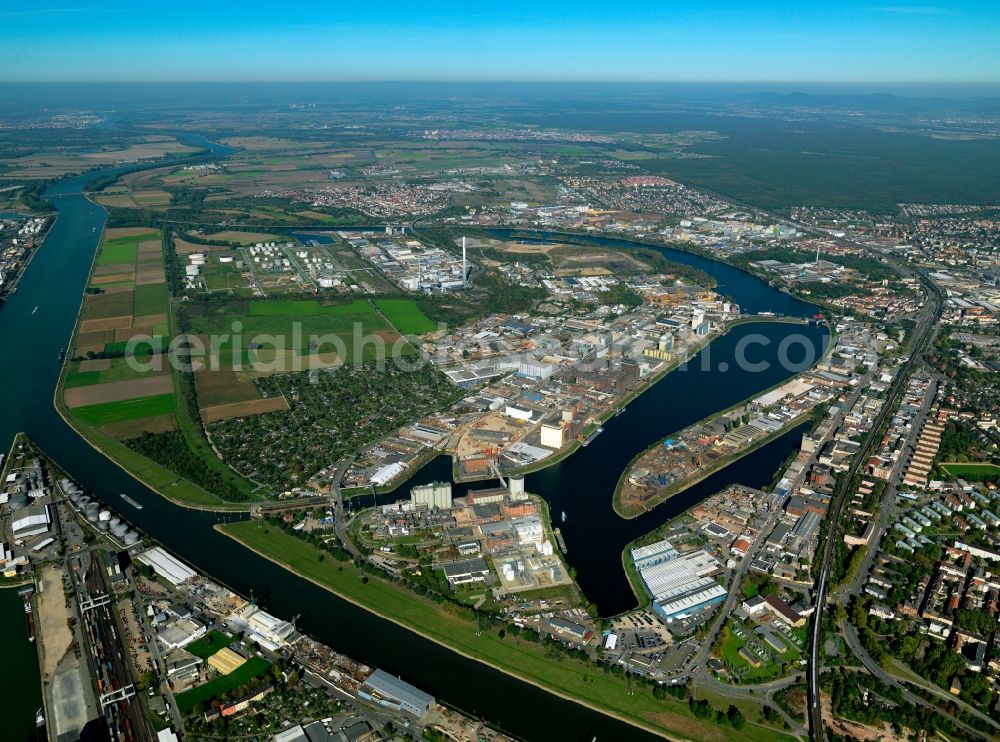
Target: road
(758,693)
(338,508)
(921,334)
(700,658)
(887,505)
(854,643)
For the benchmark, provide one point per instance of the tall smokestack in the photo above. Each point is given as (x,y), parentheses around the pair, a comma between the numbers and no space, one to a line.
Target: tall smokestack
(463,261)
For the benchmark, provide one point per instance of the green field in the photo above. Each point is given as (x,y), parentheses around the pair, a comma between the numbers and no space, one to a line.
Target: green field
(150,298)
(291,324)
(82,378)
(973,471)
(116,252)
(303,307)
(209,644)
(405,316)
(129,409)
(574,678)
(123,249)
(118,369)
(246,672)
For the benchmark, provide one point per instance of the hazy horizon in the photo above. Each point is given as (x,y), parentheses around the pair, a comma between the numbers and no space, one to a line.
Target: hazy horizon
(728,41)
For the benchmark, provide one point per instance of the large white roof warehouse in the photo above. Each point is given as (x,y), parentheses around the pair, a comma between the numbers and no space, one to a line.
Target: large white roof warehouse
(166,566)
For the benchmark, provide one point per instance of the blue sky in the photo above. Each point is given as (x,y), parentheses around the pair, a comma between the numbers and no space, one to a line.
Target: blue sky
(670,40)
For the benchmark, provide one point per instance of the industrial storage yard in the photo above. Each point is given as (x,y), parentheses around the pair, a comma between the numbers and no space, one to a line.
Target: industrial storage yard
(165,648)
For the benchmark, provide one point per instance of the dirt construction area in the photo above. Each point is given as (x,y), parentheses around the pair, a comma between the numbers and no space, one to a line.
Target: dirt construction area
(53,619)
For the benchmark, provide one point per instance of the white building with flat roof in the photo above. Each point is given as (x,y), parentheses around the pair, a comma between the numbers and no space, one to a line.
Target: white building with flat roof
(167,566)
(660,551)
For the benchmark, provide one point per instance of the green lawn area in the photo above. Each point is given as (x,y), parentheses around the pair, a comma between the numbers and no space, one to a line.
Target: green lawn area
(973,471)
(209,644)
(768,670)
(405,316)
(246,672)
(129,409)
(575,678)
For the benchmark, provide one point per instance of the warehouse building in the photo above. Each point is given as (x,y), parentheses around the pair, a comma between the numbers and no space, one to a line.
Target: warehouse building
(533,369)
(181,632)
(386,690)
(647,556)
(166,566)
(34,522)
(268,631)
(464,572)
(680,584)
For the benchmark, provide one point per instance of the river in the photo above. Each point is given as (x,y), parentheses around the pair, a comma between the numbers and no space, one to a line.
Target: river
(581,485)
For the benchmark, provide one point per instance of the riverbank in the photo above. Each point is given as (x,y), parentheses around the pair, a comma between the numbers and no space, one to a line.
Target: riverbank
(10,281)
(567,677)
(723,462)
(144,470)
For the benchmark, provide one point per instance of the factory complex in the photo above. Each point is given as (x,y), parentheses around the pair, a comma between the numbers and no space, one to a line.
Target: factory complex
(680,584)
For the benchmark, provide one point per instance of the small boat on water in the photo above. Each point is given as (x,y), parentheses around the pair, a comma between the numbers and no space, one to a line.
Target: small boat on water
(34,310)
(29,616)
(131,502)
(62,353)
(591,437)
(563,516)
(620,411)
(39,719)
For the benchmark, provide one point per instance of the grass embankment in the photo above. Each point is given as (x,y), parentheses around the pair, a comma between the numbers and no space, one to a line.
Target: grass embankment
(577,680)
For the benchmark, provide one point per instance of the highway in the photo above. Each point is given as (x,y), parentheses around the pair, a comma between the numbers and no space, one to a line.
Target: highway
(921,334)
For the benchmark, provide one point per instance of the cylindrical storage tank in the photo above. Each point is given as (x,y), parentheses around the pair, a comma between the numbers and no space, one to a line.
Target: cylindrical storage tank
(131,537)
(119,530)
(102,525)
(114,522)
(105,515)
